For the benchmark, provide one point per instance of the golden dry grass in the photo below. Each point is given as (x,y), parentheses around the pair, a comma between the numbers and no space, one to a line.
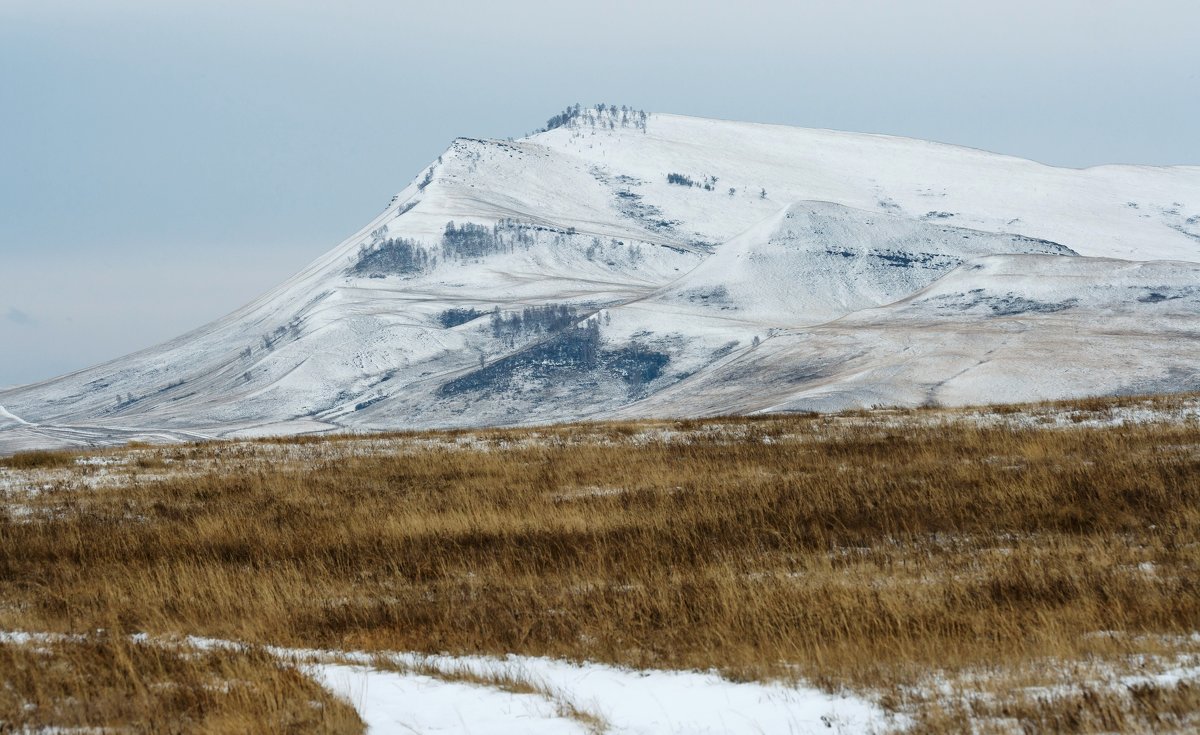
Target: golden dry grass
(863,550)
(108,681)
(37,458)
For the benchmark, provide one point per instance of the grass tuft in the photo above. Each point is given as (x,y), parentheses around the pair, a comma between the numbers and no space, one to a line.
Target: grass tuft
(37,459)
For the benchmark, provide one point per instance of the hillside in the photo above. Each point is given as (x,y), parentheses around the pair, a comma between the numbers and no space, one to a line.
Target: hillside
(622,264)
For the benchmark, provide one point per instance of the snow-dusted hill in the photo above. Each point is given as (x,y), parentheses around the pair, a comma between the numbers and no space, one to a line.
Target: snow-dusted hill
(627,265)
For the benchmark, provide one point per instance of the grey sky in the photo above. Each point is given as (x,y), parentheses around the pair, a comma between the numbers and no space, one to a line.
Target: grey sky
(163,162)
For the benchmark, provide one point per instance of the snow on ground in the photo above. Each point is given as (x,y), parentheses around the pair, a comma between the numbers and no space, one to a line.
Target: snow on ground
(787,269)
(406,693)
(991,694)
(624,700)
(391,702)
(8,419)
(401,693)
(1131,212)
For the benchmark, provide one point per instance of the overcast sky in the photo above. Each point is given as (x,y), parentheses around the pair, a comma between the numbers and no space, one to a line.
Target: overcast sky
(163,162)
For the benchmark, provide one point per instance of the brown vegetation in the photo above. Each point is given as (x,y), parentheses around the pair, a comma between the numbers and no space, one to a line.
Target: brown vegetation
(37,458)
(864,551)
(109,681)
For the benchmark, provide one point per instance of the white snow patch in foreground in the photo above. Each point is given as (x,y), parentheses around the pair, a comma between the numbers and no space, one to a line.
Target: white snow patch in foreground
(423,695)
(627,700)
(391,702)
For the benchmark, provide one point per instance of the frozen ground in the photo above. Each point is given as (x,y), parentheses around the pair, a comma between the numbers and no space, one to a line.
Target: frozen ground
(583,698)
(401,693)
(113,468)
(682,267)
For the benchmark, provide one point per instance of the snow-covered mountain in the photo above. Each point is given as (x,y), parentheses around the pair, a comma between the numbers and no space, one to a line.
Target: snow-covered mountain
(621,264)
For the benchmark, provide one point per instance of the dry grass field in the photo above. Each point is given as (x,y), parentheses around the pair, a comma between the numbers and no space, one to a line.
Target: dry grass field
(1033,568)
(110,681)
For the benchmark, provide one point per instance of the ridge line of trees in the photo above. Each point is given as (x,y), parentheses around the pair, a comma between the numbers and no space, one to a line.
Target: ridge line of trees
(603,116)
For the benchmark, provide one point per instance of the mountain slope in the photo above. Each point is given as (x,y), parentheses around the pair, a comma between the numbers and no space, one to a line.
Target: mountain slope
(999,328)
(621,265)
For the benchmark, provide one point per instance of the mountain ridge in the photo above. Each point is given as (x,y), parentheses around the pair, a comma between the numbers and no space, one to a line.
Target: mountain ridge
(665,251)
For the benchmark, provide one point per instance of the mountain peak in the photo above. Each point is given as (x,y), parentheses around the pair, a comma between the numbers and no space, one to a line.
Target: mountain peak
(625,264)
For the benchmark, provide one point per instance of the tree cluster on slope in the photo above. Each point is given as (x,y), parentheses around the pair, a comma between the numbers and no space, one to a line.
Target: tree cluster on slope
(614,249)
(470,240)
(392,256)
(603,116)
(532,320)
(574,353)
(402,256)
(455,316)
(708,183)
(289,331)
(476,241)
